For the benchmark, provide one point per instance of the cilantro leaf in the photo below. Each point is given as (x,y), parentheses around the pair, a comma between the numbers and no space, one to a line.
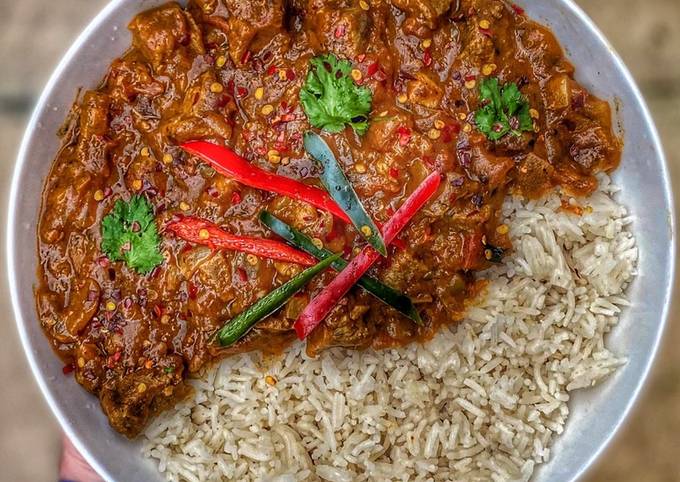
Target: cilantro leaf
(330,97)
(504,110)
(129,234)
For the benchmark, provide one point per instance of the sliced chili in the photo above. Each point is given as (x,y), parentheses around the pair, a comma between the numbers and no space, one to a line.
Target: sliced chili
(322,304)
(342,192)
(384,293)
(200,231)
(238,326)
(228,163)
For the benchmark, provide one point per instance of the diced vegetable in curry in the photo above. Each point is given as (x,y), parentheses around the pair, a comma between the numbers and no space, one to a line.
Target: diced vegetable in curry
(182,214)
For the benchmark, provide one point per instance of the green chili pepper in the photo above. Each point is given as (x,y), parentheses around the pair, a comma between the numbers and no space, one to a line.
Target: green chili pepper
(384,293)
(238,326)
(342,192)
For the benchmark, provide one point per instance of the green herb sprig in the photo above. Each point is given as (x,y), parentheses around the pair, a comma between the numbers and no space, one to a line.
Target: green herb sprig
(129,234)
(330,97)
(504,111)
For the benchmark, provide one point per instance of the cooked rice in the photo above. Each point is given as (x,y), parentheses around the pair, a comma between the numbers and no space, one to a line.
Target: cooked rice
(482,401)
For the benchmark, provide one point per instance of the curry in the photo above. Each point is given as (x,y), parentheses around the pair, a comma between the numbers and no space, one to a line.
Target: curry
(469,96)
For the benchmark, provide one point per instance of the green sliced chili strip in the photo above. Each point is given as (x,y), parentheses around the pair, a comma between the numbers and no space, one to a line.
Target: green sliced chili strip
(384,293)
(238,326)
(342,192)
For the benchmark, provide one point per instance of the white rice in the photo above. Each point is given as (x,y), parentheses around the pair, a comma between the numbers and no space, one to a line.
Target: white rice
(482,401)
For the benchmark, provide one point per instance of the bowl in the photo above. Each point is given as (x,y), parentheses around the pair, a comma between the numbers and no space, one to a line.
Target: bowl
(643,177)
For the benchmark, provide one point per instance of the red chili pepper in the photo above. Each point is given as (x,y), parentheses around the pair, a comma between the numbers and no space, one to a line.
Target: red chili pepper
(272,69)
(372,69)
(427,58)
(518,10)
(246,56)
(230,164)
(67,369)
(322,304)
(204,232)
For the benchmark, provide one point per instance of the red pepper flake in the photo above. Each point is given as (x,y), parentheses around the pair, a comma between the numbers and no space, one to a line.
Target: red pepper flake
(517,9)
(486,31)
(67,369)
(394,172)
(272,69)
(372,69)
(243,276)
(246,57)
(103,261)
(290,74)
(404,134)
(235,197)
(380,75)
(361,57)
(242,91)
(158,311)
(230,86)
(213,192)
(470,77)
(427,57)
(192,291)
(117,355)
(340,31)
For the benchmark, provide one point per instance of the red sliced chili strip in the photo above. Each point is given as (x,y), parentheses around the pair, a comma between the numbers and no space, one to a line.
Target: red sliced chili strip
(322,304)
(204,232)
(228,163)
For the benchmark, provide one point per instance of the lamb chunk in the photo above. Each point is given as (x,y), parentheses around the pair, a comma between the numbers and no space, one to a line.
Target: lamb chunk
(200,118)
(83,305)
(589,146)
(534,176)
(345,326)
(341,30)
(92,148)
(159,32)
(129,78)
(424,12)
(251,22)
(129,401)
(424,90)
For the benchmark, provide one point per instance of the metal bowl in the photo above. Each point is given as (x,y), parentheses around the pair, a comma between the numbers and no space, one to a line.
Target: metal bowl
(595,414)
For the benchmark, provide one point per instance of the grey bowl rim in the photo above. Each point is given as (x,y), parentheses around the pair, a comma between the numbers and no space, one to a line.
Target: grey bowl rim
(44,98)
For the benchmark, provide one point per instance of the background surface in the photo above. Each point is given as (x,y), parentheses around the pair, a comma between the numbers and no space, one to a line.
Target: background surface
(34,34)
